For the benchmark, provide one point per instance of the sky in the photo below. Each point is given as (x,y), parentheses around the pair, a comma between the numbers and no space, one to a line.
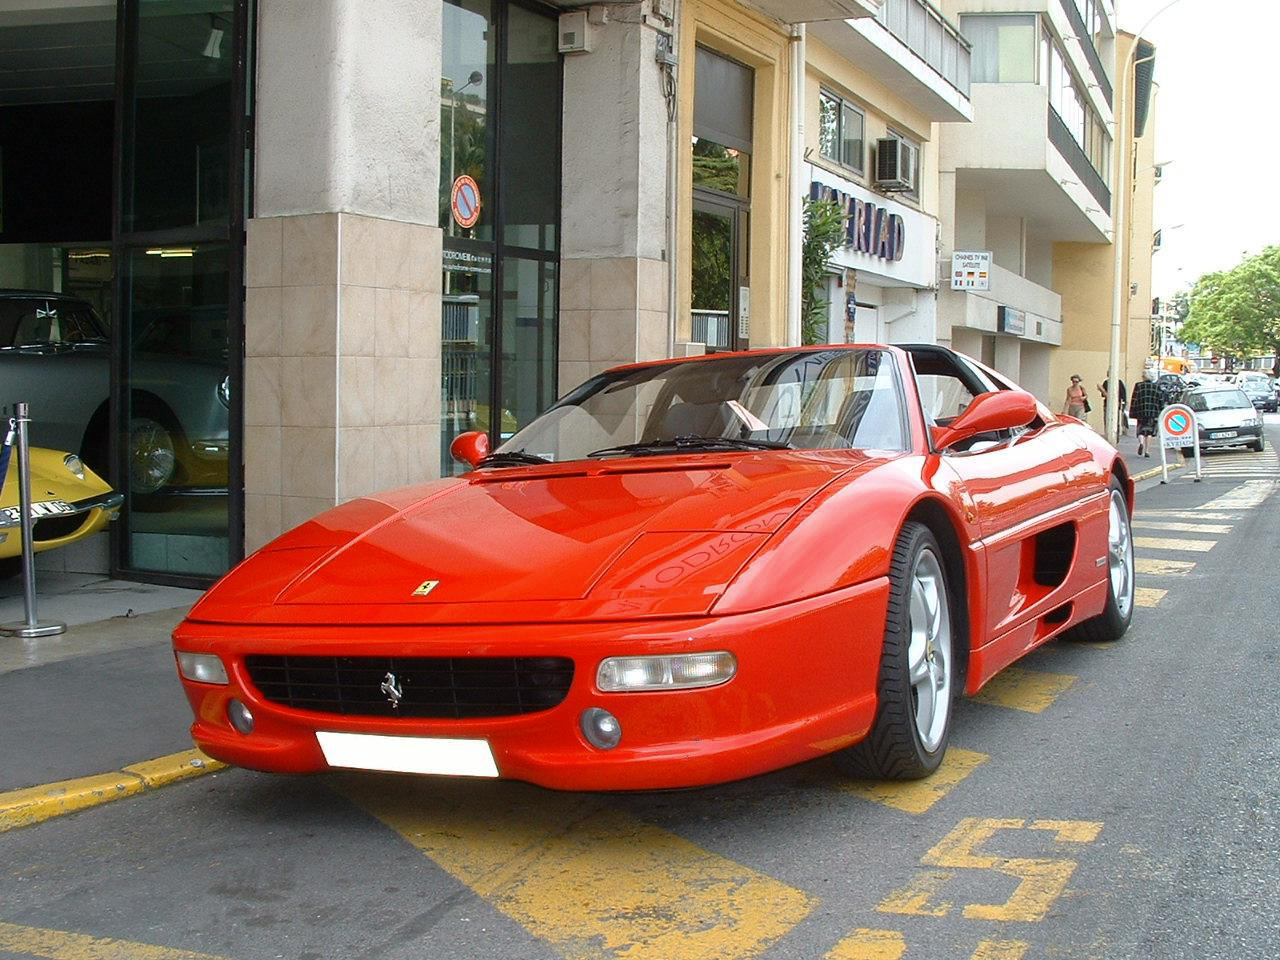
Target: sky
(1217,70)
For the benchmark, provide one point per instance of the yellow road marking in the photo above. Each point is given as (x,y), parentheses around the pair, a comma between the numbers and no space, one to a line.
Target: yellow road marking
(916,898)
(1178,527)
(1001,950)
(865,944)
(1148,596)
(1040,881)
(21,808)
(1162,568)
(1020,689)
(590,880)
(1161,543)
(917,796)
(59,945)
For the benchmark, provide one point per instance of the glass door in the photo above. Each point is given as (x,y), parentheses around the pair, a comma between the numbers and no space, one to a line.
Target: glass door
(720,301)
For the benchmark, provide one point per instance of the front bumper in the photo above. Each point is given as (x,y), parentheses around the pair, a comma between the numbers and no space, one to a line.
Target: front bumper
(805,686)
(1213,439)
(96,513)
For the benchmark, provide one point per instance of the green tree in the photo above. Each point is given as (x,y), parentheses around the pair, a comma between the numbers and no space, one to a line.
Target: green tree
(1237,312)
(824,230)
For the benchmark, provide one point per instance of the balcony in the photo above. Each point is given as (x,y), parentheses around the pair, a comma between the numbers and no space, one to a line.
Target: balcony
(1024,162)
(813,11)
(1085,37)
(978,309)
(913,50)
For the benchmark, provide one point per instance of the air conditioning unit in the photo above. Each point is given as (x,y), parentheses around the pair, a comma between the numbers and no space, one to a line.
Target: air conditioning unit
(895,165)
(572,33)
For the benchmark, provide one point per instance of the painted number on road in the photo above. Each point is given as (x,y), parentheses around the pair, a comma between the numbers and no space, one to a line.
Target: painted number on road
(1041,881)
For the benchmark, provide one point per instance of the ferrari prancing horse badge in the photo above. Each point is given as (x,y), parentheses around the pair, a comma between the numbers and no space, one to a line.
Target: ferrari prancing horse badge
(425,587)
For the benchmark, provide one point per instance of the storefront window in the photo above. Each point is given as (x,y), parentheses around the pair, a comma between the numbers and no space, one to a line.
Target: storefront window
(500,105)
(177,431)
(181,116)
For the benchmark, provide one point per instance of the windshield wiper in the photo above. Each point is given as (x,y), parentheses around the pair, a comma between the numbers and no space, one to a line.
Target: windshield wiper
(511,458)
(677,444)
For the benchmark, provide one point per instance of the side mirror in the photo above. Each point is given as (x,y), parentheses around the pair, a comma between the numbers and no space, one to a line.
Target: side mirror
(1000,410)
(470,448)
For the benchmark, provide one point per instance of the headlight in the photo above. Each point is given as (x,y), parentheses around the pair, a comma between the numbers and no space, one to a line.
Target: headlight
(202,667)
(72,463)
(224,392)
(681,672)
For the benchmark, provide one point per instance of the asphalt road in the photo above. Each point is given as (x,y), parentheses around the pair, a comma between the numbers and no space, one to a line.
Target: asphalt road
(1106,801)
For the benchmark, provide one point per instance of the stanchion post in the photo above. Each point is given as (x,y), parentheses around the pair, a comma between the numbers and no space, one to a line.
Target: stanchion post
(32,627)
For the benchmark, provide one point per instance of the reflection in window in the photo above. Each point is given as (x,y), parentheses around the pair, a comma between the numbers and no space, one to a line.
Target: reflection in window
(175,432)
(717,167)
(1004,48)
(466,344)
(528,341)
(467,52)
(179,152)
(840,131)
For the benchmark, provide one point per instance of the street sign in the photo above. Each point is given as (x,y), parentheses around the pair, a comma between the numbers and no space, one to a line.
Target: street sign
(465,202)
(971,270)
(1178,430)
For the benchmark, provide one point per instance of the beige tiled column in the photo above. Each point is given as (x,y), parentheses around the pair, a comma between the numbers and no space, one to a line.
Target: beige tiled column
(342,363)
(612,310)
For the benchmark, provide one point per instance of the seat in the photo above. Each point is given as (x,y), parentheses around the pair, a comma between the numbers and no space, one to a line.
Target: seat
(691,420)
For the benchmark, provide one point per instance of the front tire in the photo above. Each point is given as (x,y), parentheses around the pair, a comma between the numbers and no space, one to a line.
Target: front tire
(915,688)
(1111,624)
(1258,446)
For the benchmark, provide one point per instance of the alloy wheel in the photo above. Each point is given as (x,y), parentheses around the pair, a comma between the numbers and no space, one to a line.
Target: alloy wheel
(1120,554)
(929,650)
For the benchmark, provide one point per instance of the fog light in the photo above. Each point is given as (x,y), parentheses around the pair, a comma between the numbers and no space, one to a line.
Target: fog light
(202,667)
(601,728)
(682,672)
(240,717)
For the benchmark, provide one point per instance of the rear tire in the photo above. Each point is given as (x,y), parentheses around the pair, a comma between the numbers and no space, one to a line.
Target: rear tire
(915,689)
(1111,624)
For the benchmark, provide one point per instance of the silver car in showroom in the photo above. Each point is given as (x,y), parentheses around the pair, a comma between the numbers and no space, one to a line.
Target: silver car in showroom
(55,355)
(1226,418)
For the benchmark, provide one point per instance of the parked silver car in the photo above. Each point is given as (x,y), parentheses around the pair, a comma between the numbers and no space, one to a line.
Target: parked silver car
(1226,418)
(55,354)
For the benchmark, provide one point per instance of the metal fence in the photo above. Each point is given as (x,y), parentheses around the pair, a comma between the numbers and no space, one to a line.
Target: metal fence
(711,327)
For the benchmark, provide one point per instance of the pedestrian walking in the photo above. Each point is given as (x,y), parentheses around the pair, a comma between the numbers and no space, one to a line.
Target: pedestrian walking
(1077,402)
(1148,401)
(1124,402)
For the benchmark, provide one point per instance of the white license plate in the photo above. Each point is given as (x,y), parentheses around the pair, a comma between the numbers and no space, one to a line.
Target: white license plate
(435,755)
(48,508)
(1222,435)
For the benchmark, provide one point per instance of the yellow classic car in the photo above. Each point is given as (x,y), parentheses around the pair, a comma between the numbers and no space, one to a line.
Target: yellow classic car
(68,503)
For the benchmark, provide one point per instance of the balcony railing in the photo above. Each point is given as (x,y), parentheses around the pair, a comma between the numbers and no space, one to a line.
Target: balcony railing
(929,35)
(1085,35)
(1060,136)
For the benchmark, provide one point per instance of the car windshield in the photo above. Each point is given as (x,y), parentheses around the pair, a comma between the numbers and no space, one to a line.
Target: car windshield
(821,399)
(1218,400)
(31,321)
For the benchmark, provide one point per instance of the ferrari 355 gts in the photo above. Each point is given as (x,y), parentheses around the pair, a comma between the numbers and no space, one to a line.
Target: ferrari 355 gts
(684,572)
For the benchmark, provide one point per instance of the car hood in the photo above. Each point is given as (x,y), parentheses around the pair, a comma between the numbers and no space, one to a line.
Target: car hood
(51,480)
(638,537)
(1218,419)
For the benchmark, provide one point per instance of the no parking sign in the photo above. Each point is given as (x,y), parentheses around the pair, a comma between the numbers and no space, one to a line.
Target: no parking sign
(465,202)
(1178,429)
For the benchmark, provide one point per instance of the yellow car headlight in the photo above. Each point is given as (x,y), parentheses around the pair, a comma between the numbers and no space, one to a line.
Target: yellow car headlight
(74,464)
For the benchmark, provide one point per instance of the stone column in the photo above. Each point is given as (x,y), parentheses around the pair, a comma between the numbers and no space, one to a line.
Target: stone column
(342,259)
(614,262)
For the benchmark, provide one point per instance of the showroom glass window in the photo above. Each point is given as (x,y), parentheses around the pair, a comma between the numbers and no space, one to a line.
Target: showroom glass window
(500,127)
(178,251)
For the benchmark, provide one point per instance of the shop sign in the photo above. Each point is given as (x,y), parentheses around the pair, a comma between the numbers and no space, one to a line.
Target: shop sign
(971,270)
(869,228)
(465,202)
(464,261)
(1009,320)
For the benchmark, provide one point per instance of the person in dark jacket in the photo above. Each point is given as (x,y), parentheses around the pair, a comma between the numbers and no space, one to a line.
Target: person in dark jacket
(1147,402)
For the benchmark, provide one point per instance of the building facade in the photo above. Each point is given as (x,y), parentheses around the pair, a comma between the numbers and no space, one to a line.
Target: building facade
(343,233)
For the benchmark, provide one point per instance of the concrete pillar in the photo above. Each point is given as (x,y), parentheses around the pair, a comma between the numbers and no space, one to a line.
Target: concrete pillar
(342,260)
(614,263)
(1009,357)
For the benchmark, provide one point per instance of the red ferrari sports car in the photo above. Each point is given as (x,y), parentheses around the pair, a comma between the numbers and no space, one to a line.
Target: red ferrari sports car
(684,572)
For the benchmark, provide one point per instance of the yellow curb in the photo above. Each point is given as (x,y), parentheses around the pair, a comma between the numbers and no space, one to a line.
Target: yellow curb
(1155,472)
(30,805)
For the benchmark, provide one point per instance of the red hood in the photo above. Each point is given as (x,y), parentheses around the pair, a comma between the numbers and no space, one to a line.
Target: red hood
(641,536)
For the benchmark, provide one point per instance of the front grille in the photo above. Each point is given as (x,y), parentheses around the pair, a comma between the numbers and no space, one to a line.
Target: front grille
(52,528)
(454,687)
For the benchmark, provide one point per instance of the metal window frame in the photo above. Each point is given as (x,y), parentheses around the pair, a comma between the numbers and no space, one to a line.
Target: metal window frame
(843,102)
